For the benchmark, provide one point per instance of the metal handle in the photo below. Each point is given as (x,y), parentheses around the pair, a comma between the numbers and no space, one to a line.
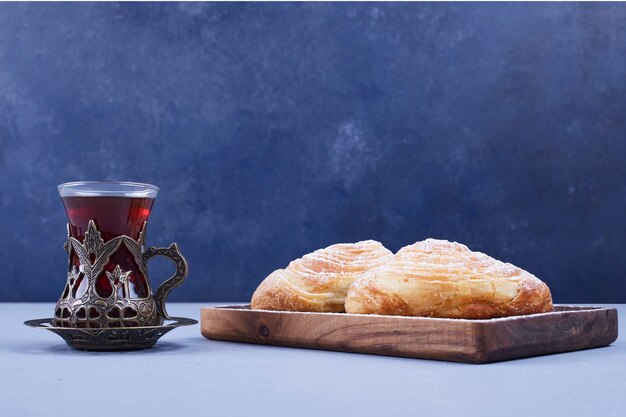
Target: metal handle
(175,281)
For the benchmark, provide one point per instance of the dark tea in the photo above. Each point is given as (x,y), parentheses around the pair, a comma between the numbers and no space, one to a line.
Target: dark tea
(113,216)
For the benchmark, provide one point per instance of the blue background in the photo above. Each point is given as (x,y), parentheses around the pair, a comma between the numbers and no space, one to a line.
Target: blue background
(276,129)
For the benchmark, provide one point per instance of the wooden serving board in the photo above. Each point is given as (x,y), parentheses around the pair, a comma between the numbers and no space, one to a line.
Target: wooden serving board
(565,329)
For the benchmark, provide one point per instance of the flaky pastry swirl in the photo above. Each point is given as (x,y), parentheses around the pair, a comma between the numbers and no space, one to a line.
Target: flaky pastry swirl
(437,278)
(319,280)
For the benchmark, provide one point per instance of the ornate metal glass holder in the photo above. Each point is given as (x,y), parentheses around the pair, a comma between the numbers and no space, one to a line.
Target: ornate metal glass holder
(92,309)
(91,321)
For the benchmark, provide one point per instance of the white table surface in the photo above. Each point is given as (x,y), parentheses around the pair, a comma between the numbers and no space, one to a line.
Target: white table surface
(187,375)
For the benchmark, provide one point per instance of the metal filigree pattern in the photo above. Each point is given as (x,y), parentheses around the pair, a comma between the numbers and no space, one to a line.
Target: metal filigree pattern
(82,306)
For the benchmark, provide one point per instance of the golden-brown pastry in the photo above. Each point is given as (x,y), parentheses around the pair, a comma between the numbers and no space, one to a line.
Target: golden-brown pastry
(319,281)
(437,278)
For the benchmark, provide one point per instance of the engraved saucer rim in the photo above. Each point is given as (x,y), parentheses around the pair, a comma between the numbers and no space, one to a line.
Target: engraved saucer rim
(46,324)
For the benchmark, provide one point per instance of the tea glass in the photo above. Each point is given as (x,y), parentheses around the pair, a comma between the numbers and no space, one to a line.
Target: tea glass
(107,278)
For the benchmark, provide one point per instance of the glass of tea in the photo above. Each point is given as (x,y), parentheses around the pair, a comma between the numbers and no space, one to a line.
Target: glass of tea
(107,278)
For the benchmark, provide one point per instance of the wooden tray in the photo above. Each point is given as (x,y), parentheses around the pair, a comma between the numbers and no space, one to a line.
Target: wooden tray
(565,329)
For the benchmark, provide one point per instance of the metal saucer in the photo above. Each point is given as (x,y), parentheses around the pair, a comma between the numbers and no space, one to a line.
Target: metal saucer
(111,338)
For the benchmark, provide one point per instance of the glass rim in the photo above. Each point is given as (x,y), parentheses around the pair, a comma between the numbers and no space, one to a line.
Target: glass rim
(107,189)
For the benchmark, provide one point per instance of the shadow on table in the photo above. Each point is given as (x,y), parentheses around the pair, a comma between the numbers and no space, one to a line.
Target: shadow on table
(161,348)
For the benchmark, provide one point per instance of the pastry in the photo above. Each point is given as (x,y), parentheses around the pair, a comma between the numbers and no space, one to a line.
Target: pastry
(319,280)
(437,278)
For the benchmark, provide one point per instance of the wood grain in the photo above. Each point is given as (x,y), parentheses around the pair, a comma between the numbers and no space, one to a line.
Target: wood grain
(566,329)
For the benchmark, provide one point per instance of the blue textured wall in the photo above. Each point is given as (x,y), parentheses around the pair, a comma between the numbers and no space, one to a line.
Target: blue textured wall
(276,129)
